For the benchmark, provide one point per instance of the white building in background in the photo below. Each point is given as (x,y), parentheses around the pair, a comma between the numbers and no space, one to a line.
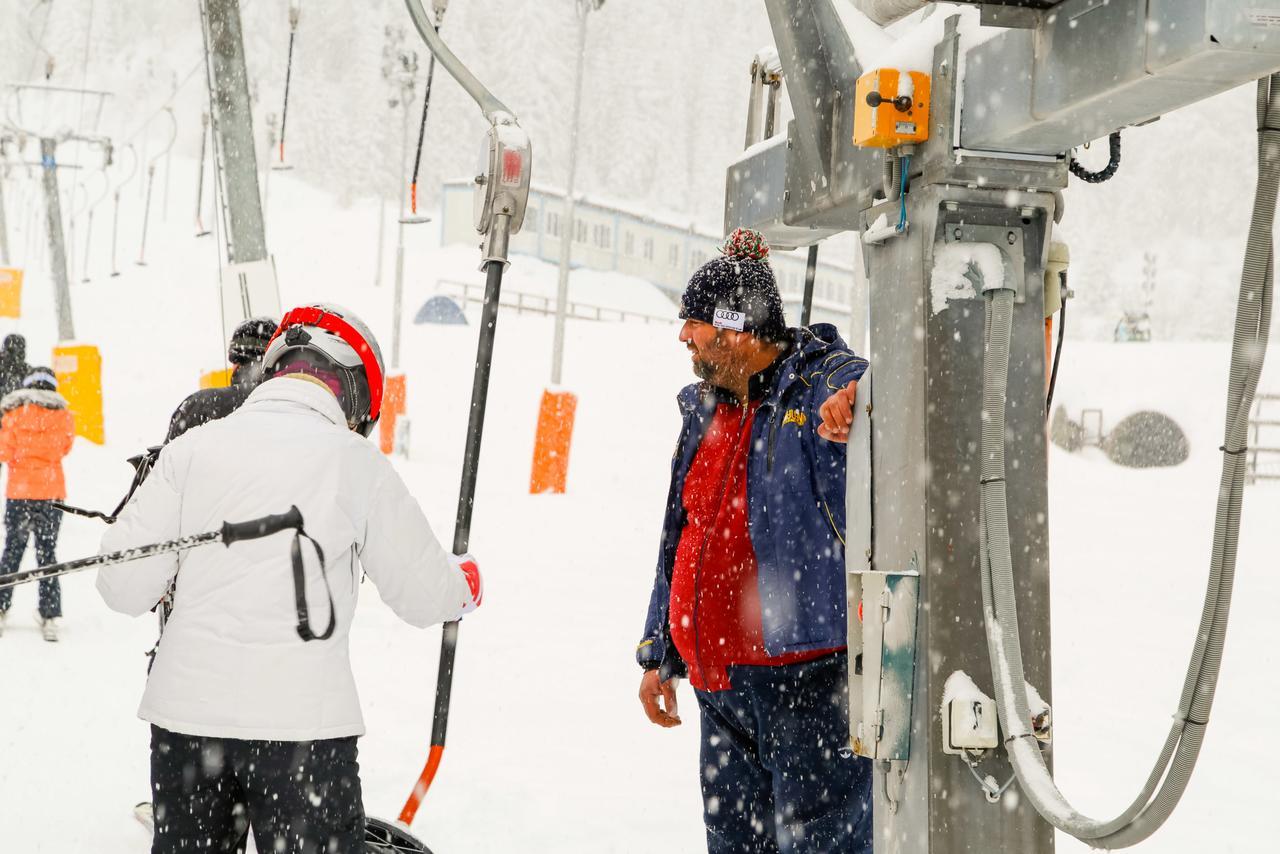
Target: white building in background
(663,251)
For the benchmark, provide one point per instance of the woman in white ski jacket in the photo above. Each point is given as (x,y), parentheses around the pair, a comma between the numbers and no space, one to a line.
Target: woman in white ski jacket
(233,674)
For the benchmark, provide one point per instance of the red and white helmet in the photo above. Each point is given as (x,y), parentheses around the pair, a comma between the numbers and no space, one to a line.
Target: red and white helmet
(330,343)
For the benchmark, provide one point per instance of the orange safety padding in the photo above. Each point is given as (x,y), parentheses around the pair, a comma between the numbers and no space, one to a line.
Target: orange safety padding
(220,378)
(78,368)
(1048,351)
(551,447)
(10,292)
(393,405)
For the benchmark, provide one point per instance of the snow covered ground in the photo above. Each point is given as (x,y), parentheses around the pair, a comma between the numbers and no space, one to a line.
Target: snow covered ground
(548,749)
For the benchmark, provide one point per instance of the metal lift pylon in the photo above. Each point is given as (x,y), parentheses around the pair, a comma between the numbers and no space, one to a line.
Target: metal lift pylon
(984,186)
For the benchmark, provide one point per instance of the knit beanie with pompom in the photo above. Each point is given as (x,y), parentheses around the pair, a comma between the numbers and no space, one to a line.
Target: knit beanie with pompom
(737,290)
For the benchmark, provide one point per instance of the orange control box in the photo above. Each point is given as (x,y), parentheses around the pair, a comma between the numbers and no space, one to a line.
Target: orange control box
(891,108)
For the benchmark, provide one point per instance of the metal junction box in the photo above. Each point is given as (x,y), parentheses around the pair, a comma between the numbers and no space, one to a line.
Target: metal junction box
(885,603)
(890,108)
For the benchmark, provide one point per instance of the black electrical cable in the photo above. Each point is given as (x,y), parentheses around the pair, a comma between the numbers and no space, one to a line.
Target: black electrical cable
(1057,355)
(1107,171)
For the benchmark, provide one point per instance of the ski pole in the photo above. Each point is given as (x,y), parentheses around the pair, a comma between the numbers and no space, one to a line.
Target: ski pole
(462,526)
(230,532)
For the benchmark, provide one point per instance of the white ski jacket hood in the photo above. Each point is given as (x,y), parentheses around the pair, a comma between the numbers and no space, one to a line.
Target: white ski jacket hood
(231,663)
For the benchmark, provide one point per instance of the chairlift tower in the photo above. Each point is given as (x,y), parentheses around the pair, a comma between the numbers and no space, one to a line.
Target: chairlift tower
(233,130)
(962,157)
(47,113)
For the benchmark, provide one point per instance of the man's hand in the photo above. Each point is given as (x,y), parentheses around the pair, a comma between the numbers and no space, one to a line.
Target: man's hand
(837,414)
(651,690)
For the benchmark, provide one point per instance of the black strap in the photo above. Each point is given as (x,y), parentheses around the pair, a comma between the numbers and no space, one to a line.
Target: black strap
(1224,450)
(300,589)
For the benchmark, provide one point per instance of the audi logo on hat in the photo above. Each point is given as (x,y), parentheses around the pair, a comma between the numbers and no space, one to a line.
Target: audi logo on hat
(727,319)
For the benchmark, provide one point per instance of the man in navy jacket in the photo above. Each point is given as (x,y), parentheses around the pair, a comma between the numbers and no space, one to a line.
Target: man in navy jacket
(749,596)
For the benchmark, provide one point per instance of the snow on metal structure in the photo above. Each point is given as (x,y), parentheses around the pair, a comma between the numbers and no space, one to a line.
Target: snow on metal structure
(956,233)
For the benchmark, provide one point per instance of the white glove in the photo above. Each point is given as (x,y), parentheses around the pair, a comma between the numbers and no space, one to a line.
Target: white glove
(470,569)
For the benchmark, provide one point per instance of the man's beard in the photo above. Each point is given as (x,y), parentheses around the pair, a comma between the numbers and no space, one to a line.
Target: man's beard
(704,371)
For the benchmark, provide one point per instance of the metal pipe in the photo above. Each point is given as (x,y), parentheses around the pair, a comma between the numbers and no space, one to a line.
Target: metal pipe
(201,231)
(4,224)
(462,526)
(885,12)
(810,276)
(397,298)
(568,226)
(57,248)
(494,110)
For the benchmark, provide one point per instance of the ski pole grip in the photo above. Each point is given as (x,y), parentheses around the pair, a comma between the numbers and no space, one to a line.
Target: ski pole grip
(233,532)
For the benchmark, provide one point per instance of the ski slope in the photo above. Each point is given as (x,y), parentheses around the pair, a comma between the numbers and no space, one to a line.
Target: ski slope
(548,748)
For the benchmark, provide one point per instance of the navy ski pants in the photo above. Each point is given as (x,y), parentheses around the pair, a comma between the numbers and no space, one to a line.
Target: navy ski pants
(24,518)
(777,773)
(299,797)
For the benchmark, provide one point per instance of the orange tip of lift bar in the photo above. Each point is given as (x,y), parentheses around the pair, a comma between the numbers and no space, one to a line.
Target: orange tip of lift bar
(424,783)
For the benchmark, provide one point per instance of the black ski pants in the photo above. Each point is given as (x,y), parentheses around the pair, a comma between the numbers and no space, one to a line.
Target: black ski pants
(775,775)
(299,797)
(24,518)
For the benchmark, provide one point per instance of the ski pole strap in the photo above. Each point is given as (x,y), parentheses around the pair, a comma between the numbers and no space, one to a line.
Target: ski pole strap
(80,511)
(300,588)
(233,532)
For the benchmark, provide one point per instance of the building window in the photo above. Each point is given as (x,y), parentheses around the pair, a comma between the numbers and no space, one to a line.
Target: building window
(673,256)
(648,248)
(580,231)
(602,236)
(629,243)
(531,219)
(553,223)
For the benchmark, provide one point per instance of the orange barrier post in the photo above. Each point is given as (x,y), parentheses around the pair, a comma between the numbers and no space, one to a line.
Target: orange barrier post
(393,406)
(551,448)
(10,292)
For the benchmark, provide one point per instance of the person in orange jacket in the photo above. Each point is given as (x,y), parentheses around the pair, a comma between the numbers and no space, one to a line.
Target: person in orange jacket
(36,432)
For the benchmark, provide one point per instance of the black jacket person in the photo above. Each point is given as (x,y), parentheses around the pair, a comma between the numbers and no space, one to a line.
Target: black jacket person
(13,363)
(248,344)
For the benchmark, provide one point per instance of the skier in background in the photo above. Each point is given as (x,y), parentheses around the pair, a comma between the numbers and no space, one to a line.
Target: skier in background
(749,596)
(13,363)
(251,699)
(245,350)
(36,432)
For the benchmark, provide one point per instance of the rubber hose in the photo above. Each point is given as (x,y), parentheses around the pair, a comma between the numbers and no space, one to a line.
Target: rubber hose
(1182,746)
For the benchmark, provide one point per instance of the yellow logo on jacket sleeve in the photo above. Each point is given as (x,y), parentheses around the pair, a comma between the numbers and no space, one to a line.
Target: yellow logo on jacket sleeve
(794,416)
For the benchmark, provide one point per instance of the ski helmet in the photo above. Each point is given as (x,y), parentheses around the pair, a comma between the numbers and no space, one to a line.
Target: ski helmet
(330,343)
(249,340)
